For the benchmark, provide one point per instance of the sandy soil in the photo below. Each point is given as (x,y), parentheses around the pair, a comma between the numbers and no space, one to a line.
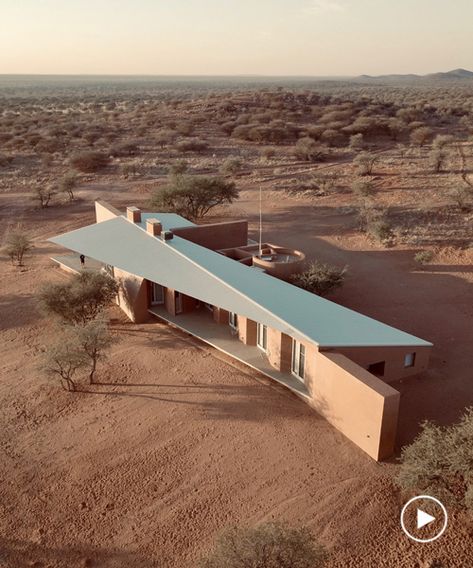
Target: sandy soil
(175,443)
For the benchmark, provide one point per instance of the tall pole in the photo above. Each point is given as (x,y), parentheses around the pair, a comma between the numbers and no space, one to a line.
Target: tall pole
(260,225)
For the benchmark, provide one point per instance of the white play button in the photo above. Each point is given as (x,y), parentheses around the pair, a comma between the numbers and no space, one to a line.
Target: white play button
(423,518)
(414,518)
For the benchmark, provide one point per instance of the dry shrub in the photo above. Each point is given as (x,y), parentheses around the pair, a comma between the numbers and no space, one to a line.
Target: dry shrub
(89,161)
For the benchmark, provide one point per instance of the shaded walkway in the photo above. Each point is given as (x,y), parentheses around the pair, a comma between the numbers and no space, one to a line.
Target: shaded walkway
(200,324)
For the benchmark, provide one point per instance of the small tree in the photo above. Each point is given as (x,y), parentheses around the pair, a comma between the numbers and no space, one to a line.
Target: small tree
(268,545)
(17,244)
(81,299)
(194,196)
(94,339)
(365,162)
(64,359)
(420,136)
(437,159)
(440,462)
(68,183)
(320,278)
(43,195)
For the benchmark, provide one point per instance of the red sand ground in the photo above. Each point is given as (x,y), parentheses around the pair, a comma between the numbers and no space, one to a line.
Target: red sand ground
(145,469)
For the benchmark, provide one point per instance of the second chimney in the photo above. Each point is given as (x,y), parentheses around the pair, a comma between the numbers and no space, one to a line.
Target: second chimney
(133,214)
(154,227)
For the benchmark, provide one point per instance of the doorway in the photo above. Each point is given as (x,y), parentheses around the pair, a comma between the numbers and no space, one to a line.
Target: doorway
(157,294)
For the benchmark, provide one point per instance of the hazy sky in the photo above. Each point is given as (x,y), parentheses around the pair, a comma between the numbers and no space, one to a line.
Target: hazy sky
(215,37)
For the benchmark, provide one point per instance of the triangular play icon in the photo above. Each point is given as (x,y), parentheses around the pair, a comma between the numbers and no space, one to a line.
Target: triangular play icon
(423,518)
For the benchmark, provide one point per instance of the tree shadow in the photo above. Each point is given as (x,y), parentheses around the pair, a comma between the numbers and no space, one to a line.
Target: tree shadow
(17,310)
(15,553)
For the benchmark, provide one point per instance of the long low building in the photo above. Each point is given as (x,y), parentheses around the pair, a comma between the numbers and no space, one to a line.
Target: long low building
(198,276)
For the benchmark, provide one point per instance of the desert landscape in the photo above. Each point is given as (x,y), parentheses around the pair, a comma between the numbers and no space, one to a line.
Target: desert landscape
(174,441)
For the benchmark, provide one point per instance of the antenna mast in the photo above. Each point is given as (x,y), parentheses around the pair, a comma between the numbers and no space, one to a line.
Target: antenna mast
(260,224)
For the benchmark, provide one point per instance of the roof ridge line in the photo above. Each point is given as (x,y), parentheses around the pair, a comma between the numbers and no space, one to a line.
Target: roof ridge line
(310,340)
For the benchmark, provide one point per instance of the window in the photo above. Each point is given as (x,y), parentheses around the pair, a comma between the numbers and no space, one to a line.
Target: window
(157,294)
(409,360)
(233,320)
(377,368)
(298,359)
(262,337)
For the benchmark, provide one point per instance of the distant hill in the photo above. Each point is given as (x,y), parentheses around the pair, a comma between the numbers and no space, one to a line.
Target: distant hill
(455,75)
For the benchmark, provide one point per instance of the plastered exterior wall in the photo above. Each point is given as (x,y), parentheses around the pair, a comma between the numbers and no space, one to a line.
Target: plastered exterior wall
(247,330)
(132,296)
(216,235)
(104,211)
(220,315)
(279,350)
(361,406)
(394,359)
(188,303)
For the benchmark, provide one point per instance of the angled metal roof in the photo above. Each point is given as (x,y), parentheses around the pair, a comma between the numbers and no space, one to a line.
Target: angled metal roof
(221,281)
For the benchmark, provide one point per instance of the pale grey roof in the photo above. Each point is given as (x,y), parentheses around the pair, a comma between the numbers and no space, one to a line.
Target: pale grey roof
(221,281)
(168,220)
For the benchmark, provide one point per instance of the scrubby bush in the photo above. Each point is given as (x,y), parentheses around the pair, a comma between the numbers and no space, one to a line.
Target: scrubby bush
(420,136)
(81,299)
(320,278)
(178,168)
(268,152)
(125,148)
(194,196)
(440,462)
(363,188)
(17,244)
(365,163)
(462,197)
(423,256)
(381,230)
(309,150)
(231,166)
(89,161)
(356,142)
(269,545)
(191,145)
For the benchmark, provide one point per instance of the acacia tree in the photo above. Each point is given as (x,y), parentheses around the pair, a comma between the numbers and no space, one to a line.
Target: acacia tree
(17,244)
(81,299)
(194,196)
(68,183)
(64,359)
(94,339)
(266,545)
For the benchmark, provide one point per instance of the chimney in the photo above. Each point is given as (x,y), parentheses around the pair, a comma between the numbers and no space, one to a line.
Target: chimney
(153,227)
(133,214)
